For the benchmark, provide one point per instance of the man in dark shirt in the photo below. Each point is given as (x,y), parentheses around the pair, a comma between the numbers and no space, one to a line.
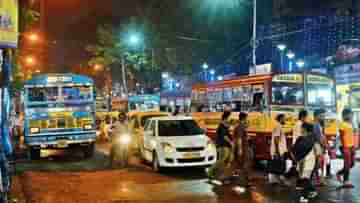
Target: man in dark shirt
(320,144)
(224,149)
(242,161)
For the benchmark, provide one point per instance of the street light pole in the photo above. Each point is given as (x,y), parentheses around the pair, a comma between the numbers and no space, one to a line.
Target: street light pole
(124,75)
(282,61)
(254,35)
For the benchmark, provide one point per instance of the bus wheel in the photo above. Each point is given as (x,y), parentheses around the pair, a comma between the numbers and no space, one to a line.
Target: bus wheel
(89,150)
(34,153)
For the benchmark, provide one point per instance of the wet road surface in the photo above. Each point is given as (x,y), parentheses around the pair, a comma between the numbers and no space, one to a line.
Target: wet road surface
(71,178)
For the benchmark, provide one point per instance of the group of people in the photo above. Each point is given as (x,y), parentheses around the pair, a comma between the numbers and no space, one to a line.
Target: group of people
(309,153)
(234,152)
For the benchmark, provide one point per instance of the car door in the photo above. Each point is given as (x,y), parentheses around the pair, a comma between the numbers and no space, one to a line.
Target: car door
(149,136)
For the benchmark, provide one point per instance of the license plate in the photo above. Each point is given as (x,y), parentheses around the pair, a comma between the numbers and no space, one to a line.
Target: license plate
(192,155)
(62,144)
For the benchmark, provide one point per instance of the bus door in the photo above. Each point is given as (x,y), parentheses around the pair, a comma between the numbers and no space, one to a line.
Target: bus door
(242,98)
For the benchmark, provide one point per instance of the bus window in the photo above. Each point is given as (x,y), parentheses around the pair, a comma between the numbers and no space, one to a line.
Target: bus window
(43,94)
(227,94)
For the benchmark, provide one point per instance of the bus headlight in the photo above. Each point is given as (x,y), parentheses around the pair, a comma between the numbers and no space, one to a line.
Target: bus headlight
(34,130)
(87,127)
(167,148)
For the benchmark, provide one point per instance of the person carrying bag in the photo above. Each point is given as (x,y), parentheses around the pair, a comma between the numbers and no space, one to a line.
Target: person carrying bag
(278,150)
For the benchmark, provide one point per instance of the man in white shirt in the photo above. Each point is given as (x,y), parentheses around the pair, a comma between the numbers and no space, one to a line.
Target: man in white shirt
(298,129)
(278,147)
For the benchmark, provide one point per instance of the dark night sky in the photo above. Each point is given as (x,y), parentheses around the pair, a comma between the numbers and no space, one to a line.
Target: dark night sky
(73,22)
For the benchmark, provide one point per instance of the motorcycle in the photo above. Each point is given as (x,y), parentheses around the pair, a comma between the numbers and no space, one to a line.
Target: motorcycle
(119,153)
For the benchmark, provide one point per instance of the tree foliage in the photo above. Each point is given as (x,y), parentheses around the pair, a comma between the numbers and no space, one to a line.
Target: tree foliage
(170,41)
(27,19)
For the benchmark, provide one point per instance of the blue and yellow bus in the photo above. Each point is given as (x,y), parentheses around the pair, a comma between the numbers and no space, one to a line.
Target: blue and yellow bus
(59,113)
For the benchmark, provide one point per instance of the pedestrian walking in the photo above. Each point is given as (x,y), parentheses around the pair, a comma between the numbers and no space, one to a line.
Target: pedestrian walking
(242,156)
(347,148)
(119,151)
(321,147)
(278,149)
(224,150)
(307,161)
(298,132)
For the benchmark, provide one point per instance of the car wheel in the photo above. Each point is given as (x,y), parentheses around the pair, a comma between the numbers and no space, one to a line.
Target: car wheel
(155,163)
(34,153)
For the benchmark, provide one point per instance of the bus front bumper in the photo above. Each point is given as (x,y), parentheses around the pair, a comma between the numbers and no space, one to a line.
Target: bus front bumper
(61,140)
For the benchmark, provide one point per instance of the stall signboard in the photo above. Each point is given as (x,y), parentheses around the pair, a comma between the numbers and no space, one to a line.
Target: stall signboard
(9,23)
(347,73)
(320,80)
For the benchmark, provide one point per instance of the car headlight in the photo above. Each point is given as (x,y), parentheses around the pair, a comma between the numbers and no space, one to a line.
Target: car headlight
(167,148)
(211,146)
(125,139)
(88,127)
(34,130)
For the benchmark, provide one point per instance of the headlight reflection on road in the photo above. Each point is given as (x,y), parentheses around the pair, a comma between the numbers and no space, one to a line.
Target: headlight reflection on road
(257,197)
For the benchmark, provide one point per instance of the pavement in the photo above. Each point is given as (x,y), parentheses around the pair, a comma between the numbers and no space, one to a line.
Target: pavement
(69,178)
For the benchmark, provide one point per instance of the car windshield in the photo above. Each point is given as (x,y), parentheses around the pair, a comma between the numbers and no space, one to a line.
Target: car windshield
(321,95)
(179,128)
(287,94)
(76,93)
(43,94)
(146,118)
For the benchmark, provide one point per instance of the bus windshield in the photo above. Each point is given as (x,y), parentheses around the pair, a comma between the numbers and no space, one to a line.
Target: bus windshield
(76,93)
(43,94)
(287,93)
(51,94)
(321,95)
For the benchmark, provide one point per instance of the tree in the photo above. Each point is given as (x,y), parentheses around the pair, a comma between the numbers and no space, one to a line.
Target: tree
(27,19)
(164,47)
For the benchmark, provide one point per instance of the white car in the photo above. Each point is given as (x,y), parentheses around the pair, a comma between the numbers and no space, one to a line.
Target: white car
(176,142)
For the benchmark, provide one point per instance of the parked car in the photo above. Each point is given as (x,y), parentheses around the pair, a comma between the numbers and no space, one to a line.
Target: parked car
(176,142)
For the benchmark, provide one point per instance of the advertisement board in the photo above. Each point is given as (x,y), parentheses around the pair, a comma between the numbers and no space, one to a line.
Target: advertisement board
(9,23)
(261,69)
